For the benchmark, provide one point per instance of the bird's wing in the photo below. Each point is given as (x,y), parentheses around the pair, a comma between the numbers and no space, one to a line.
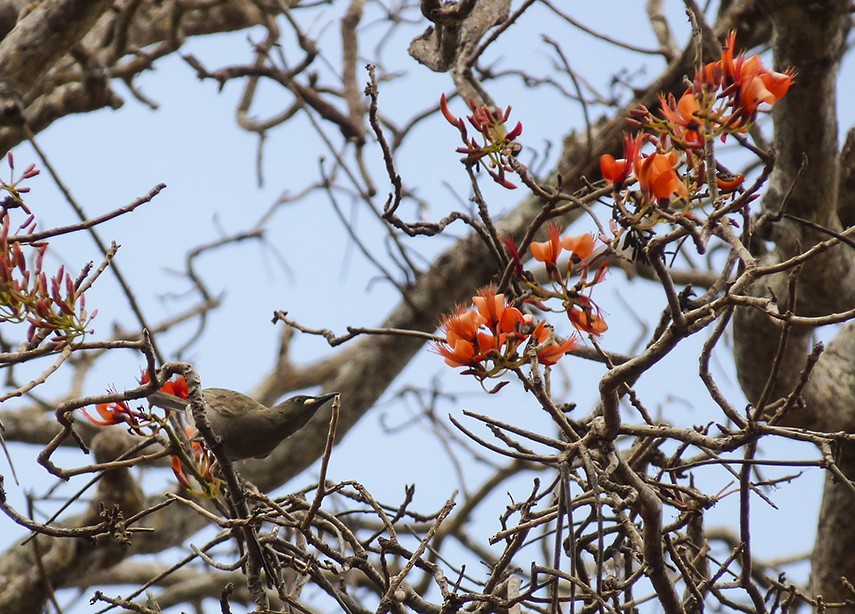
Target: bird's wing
(167,401)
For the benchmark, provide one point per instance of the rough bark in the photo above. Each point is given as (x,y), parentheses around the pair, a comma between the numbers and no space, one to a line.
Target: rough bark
(809,37)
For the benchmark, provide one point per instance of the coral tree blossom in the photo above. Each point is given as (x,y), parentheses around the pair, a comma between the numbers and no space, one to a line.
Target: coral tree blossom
(117,412)
(658,178)
(724,99)
(619,170)
(745,82)
(202,480)
(494,336)
(547,252)
(583,313)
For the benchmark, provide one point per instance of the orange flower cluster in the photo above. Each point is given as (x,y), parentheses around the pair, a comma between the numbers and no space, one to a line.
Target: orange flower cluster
(495,337)
(498,145)
(202,481)
(120,412)
(725,98)
(656,173)
(744,84)
(584,314)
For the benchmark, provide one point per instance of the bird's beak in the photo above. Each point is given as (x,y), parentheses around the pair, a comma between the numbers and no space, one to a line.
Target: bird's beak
(318,401)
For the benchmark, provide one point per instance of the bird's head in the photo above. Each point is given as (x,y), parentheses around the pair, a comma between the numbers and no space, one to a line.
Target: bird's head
(293,413)
(306,402)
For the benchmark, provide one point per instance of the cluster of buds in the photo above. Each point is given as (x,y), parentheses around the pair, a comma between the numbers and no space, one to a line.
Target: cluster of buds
(574,296)
(54,305)
(26,294)
(498,145)
(13,190)
(200,478)
(724,99)
(493,337)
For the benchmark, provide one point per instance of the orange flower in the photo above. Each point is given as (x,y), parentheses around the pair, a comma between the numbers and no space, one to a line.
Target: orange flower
(726,64)
(618,170)
(549,351)
(202,482)
(497,316)
(177,387)
(461,331)
(724,72)
(459,353)
(487,342)
(777,83)
(462,324)
(657,177)
(682,116)
(582,246)
(117,412)
(585,317)
(547,252)
(758,85)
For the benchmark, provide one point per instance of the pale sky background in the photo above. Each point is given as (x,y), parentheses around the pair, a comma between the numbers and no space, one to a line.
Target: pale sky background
(193,144)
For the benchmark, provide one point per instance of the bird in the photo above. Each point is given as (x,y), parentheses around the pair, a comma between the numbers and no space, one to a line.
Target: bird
(247,428)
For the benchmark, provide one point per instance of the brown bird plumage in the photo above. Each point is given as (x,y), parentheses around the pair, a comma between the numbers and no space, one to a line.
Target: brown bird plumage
(247,428)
